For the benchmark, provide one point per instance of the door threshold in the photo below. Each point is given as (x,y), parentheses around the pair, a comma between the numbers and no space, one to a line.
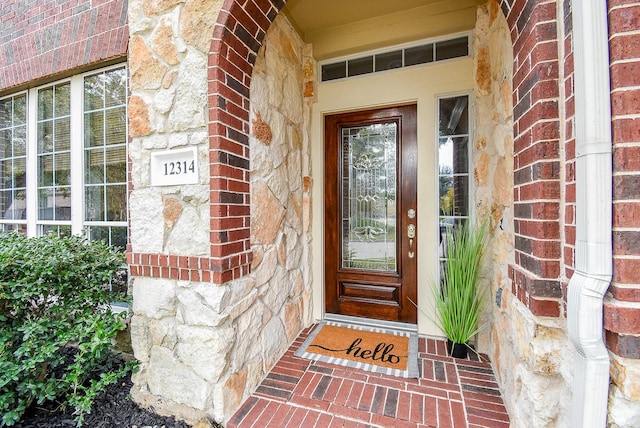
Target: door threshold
(371,322)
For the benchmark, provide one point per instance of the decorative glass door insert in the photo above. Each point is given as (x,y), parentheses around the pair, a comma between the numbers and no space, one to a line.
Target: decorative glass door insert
(369,154)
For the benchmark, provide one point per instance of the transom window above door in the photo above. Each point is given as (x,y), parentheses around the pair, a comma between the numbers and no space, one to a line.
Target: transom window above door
(63,158)
(415,54)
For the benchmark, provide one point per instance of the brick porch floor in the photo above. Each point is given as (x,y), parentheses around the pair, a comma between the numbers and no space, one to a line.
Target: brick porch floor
(302,393)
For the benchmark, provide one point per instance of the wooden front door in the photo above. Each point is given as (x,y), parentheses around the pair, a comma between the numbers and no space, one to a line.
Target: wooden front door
(371,214)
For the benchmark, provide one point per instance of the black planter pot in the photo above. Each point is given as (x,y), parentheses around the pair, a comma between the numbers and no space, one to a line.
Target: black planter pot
(457,350)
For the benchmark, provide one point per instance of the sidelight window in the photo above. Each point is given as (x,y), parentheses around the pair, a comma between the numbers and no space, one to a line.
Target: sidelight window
(453,164)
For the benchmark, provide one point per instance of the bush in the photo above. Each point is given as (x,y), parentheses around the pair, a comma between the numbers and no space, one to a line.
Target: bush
(54,294)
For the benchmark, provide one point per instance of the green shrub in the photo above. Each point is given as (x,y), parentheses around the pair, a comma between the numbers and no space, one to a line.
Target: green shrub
(54,294)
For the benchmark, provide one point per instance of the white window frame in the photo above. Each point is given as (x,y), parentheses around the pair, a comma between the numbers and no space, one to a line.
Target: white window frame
(77,222)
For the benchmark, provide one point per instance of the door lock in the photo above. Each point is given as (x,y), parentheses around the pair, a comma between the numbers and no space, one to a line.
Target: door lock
(411,233)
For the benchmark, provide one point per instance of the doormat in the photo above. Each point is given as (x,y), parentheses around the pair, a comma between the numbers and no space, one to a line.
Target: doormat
(378,350)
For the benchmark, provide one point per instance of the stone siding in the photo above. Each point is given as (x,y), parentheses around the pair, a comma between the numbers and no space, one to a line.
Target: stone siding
(204,347)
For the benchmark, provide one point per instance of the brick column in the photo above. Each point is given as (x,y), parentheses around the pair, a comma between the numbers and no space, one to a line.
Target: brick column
(537,156)
(237,37)
(622,309)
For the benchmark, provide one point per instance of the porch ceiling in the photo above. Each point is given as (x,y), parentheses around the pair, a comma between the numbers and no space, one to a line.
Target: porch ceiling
(339,27)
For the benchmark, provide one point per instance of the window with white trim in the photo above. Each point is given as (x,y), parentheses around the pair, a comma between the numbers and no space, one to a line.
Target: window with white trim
(454,164)
(63,158)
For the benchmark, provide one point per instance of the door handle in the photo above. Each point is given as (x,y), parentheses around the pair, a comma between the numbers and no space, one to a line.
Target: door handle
(411,234)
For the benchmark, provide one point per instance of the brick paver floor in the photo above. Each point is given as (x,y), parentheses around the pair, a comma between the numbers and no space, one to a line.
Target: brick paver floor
(303,393)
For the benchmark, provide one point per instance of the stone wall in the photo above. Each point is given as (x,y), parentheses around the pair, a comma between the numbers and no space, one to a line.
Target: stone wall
(203,347)
(530,353)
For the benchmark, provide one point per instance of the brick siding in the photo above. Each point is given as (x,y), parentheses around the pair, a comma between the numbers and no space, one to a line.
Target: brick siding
(43,39)
(622,311)
(538,267)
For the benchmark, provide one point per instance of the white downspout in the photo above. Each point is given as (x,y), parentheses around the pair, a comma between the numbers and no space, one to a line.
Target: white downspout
(593,253)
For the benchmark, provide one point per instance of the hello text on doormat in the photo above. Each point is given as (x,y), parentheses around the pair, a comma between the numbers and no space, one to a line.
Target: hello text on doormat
(368,347)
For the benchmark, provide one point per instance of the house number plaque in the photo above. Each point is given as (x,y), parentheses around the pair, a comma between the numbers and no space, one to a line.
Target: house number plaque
(174,167)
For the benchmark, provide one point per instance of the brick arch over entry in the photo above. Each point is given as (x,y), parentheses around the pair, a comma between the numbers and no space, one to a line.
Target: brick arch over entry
(237,37)
(542,260)
(536,274)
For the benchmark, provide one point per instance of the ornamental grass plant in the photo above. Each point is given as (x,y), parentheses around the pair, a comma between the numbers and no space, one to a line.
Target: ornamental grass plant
(459,300)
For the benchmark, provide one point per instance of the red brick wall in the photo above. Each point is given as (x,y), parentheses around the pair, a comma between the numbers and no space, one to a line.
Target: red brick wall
(569,203)
(537,156)
(43,39)
(622,313)
(236,39)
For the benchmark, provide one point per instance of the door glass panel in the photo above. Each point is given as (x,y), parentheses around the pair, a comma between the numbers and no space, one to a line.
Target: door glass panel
(368,197)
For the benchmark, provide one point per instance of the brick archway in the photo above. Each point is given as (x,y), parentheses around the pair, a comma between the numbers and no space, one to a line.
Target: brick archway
(237,37)
(542,259)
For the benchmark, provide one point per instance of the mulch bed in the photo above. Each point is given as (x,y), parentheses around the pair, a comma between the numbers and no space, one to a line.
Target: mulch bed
(112,408)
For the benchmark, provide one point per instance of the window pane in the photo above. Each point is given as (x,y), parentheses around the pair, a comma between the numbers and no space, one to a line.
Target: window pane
(5,170)
(117,203)
(388,61)
(94,166)
(45,137)
(94,129)
(45,204)
(62,98)
(6,113)
(116,165)
(452,48)
(94,203)
(453,159)
(119,237)
(93,92)
(360,66)
(454,116)
(45,169)
(45,104)
(116,121)
(20,172)
(115,87)
(418,55)
(63,169)
(63,203)
(57,230)
(62,135)
(13,228)
(334,71)
(20,141)
(20,110)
